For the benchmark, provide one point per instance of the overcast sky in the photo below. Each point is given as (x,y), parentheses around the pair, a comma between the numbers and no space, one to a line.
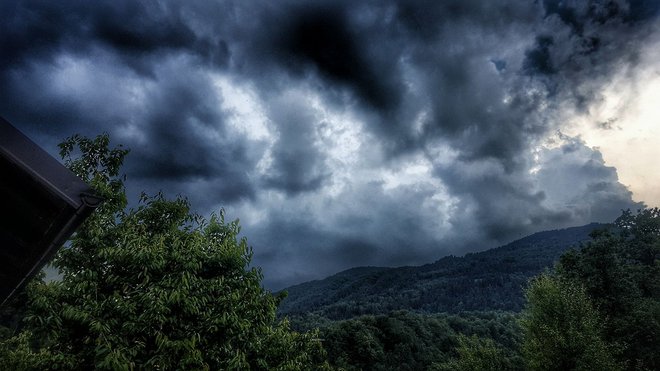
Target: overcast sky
(347,133)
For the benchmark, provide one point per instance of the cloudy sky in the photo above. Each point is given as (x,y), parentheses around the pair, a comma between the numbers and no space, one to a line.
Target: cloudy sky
(346,133)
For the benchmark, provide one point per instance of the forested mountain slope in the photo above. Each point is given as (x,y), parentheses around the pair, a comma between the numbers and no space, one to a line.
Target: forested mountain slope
(488,280)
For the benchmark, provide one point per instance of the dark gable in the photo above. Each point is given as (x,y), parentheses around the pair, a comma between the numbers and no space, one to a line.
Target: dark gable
(42,204)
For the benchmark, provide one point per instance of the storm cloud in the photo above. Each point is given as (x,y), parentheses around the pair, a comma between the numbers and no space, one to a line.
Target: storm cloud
(341,133)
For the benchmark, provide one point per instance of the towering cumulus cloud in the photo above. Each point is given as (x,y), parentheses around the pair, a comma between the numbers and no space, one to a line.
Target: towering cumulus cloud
(342,133)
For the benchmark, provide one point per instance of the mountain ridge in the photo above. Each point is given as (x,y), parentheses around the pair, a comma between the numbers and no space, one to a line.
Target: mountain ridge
(492,279)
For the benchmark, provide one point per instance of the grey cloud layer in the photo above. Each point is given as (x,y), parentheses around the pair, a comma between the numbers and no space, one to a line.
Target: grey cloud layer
(468,90)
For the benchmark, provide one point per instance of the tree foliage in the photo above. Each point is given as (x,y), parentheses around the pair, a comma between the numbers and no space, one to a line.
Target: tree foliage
(603,302)
(409,341)
(154,287)
(478,354)
(620,271)
(562,330)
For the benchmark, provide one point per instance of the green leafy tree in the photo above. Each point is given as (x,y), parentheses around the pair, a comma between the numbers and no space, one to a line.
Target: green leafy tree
(620,271)
(155,287)
(562,330)
(404,340)
(478,354)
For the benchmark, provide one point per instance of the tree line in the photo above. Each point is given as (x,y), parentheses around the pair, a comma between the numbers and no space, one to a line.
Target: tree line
(493,279)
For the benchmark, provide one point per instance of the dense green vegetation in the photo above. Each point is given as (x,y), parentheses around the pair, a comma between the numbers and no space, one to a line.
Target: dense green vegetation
(154,287)
(488,280)
(404,340)
(476,353)
(620,273)
(563,331)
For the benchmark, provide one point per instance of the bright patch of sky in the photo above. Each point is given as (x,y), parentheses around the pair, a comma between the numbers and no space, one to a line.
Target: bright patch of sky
(246,113)
(625,125)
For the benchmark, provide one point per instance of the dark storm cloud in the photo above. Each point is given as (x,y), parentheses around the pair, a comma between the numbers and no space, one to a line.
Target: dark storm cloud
(31,30)
(322,37)
(538,59)
(186,138)
(33,34)
(491,116)
(138,43)
(142,32)
(368,224)
(351,51)
(584,42)
(140,28)
(577,14)
(504,205)
(297,164)
(135,30)
(579,53)
(467,102)
(365,49)
(469,88)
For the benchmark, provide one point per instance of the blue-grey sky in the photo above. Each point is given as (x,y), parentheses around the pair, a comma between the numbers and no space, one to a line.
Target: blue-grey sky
(346,133)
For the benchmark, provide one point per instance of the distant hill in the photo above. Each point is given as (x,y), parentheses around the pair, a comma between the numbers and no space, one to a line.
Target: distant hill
(487,280)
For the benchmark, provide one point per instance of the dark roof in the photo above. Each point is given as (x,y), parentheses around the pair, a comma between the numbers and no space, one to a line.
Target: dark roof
(42,204)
